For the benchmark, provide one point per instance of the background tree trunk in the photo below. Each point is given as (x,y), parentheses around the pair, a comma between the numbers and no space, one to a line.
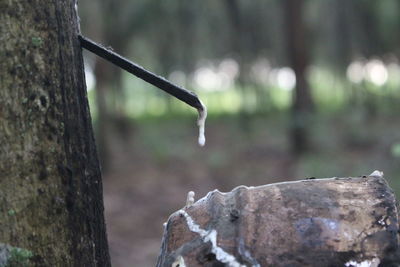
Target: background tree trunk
(102,71)
(322,222)
(298,57)
(105,24)
(50,183)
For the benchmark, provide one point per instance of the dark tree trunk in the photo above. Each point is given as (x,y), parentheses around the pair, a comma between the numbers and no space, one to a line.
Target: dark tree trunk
(102,72)
(322,222)
(51,203)
(298,57)
(238,46)
(110,97)
(341,50)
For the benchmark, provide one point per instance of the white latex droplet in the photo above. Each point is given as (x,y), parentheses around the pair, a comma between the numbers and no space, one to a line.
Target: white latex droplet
(190,198)
(201,121)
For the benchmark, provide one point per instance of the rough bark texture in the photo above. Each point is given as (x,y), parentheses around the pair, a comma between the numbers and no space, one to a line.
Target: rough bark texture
(322,222)
(51,207)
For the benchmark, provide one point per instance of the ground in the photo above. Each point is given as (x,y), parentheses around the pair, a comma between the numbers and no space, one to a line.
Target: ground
(155,162)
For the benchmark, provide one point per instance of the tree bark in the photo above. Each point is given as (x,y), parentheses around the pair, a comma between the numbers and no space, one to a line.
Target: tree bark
(51,206)
(321,222)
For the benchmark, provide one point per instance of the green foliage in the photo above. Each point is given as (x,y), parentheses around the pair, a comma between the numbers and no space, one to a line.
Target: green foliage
(11,212)
(37,41)
(19,257)
(396,150)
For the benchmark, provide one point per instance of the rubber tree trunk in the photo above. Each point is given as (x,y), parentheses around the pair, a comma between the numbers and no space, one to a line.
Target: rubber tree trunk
(321,222)
(51,207)
(298,57)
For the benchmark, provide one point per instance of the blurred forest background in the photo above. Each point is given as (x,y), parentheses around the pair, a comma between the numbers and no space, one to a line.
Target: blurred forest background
(294,89)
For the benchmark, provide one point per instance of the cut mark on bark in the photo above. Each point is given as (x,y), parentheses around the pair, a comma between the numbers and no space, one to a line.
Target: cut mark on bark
(211,236)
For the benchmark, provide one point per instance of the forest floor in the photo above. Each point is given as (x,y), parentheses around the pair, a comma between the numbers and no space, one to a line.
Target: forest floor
(155,163)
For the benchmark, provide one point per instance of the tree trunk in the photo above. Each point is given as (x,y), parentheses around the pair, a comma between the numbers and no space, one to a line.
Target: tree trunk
(51,206)
(102,73)
(110,96)
(322,222)
(298,57)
